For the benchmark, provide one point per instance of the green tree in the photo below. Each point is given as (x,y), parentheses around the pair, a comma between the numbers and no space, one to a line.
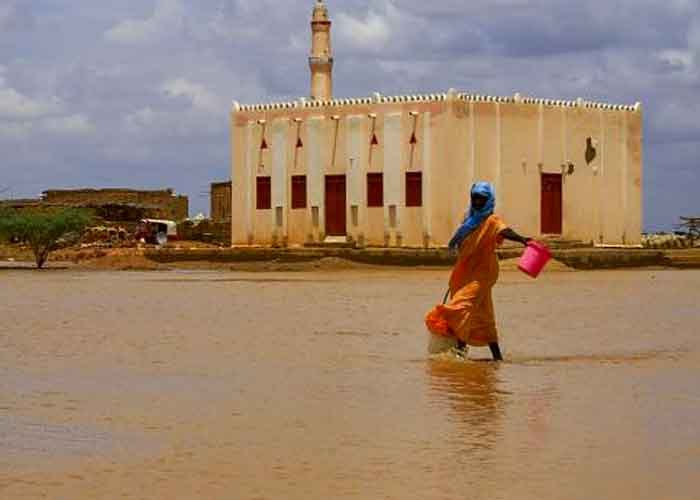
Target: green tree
(42,230)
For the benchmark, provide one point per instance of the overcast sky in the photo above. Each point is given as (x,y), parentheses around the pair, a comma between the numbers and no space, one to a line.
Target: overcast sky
(137,93)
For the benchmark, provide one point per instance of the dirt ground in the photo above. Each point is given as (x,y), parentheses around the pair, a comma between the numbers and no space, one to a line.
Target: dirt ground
(133,259)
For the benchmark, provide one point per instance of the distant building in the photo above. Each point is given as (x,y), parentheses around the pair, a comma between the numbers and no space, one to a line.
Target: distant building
(396,171)
(114,205)
(163,204)
(220,198)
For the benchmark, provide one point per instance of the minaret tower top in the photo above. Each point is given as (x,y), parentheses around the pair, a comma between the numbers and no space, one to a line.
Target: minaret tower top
(320,11)
(321,60)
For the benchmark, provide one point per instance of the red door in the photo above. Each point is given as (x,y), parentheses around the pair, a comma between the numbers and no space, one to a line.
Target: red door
(335,205)
(551,204)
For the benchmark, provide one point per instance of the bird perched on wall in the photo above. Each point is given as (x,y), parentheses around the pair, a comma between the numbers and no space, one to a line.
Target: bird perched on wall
(590,151)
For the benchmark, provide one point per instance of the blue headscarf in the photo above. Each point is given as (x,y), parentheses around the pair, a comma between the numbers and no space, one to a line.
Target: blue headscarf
(475,217)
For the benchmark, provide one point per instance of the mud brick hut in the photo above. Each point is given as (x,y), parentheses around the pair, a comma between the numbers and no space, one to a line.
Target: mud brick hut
(122,204)
(111,205)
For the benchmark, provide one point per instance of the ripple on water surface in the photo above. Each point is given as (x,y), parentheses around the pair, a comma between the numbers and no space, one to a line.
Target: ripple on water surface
(31,441)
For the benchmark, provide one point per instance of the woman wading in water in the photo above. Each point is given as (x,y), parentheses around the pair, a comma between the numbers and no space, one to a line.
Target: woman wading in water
(469,315)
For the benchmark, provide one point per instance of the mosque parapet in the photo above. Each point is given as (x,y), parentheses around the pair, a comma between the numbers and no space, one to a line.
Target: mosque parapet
(426,98)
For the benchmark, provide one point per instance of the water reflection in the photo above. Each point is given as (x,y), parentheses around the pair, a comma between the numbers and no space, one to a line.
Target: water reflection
(603,358)
(474,405)
(540,406)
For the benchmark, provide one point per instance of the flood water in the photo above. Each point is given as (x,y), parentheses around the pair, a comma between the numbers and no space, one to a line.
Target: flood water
(317,386)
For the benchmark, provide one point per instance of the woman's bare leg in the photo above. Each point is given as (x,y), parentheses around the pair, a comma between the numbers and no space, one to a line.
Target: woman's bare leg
(495,351)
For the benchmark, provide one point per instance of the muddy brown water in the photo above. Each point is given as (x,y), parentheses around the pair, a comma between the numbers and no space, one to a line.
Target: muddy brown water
(317,385)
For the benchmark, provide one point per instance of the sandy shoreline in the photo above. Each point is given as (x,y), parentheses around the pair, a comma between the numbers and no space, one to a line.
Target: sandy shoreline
(136,262)
(275,260)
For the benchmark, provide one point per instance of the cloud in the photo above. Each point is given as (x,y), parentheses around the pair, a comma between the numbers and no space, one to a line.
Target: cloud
(15,131)
(195,94)
(371,32)
(694,41)
(140,119)
(73,125)
(167,20)
(21,115)
(17,106)
(677,59)
(386,30)
(188,109)
(14,15)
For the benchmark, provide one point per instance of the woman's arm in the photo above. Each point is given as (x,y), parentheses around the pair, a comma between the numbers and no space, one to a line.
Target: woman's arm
(511,235)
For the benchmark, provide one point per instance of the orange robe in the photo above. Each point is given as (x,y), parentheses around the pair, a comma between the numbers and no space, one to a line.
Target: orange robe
(469,315)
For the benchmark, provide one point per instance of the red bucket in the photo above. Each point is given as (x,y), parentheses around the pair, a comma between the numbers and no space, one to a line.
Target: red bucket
(534,259)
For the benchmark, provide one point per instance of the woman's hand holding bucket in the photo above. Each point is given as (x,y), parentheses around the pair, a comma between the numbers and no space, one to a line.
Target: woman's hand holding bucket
(534,258)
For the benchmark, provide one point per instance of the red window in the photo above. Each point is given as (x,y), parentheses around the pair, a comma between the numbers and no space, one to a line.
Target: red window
(375,190)
(263,193)
(414,189)
(298,191)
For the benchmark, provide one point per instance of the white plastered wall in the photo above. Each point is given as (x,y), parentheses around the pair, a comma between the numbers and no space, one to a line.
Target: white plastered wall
(280,181)
(393,178)
(355,178)
(315,178)
(427,138)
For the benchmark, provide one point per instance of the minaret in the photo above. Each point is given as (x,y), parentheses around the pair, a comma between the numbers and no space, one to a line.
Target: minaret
(321,60)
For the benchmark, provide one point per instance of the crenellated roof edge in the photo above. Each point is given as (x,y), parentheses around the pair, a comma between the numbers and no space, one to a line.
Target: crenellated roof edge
(422,98)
